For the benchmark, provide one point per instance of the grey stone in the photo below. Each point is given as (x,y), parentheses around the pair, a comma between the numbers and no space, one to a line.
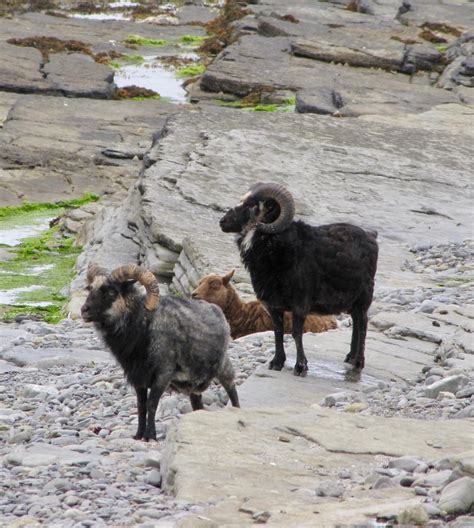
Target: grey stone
(383,483)
(71,500)
(152,460)
(59,484)
(431,509)
(154,478)
(404,331)
(467,412)
(458,496)
(466,392)
(331,399)
(419,490)
(41,391)
(436,479)
(9,416)
(407,481)
(330,488)
(6,366)
(345,474)
(406,463)
(463,521)
(463,460)
(261,517)
(450,384)
(413,516)
(152,513)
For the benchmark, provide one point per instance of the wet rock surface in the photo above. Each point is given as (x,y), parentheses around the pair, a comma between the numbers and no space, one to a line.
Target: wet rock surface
(386,143)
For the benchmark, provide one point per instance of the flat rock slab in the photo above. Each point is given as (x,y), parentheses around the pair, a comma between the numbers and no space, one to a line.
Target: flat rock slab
(22,70)
(51,357)
(258,62)
(46,455)
(254,470)
(387,359)
(95,80)
(78,153)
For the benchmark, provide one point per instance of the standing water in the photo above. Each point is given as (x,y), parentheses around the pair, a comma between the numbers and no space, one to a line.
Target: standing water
(153,76)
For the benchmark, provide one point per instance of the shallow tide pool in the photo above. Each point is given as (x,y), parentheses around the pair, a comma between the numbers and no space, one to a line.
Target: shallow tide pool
(152,75)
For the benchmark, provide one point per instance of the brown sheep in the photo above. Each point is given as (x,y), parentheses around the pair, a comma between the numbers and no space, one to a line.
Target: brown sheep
(250,317)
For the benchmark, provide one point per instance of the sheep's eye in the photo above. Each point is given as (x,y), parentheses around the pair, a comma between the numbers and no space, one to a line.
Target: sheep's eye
(215,284)
(88,288)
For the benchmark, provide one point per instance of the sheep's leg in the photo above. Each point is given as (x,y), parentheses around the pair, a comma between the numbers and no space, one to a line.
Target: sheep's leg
(279,358)
(359,332)
(141,404)
(226,379)
(196,401)
(154,396)
(359,360)
(354,340)
(301,366)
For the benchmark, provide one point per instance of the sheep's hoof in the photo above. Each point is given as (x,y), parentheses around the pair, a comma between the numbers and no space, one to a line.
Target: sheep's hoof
(149,436)
(273,365)
(137,436)
(301,369)
(358,364)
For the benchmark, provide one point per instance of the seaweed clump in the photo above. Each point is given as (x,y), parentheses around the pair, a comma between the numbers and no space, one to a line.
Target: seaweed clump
(48,45)
(137,93)
(221,30)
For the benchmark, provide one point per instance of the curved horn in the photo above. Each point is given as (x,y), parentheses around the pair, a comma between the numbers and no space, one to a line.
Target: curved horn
(93,271)
(143,276)
(279,193)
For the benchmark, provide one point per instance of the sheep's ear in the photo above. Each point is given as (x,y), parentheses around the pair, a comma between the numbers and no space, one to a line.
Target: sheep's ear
(226,278)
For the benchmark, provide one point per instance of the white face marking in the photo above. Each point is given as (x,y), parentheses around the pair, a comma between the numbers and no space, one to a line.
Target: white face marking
(117,309)
(248,239)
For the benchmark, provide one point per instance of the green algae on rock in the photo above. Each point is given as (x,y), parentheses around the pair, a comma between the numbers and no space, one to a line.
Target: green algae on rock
(191,71)
(39,263)
(191,40)
(138,40)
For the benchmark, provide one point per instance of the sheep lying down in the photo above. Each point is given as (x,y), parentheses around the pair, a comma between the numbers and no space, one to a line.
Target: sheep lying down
(161,344)
(250,317)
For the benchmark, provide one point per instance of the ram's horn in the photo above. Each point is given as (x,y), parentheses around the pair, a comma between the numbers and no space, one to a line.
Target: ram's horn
(93,271)
(279,193)
(143,276)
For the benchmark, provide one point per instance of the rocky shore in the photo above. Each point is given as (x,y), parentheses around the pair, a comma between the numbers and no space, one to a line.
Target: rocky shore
(370,121)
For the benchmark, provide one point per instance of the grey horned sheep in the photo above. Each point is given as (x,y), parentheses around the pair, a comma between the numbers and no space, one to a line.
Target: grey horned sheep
(174,343)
